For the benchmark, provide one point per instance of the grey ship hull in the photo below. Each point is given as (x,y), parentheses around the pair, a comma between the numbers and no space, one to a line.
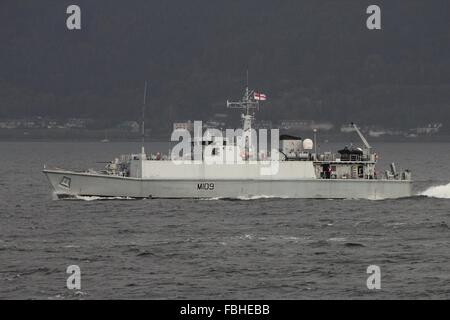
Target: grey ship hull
(71,184)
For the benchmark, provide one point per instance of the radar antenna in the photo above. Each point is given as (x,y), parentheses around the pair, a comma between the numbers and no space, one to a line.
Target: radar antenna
(247,103)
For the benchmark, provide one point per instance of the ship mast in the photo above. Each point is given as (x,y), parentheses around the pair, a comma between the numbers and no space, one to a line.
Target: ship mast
(247,104)
(143,121)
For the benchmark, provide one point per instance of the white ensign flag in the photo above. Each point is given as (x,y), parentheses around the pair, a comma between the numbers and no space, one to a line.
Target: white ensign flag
(259,96)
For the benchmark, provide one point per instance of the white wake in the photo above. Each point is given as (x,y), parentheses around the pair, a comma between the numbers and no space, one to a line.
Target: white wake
(442,192)
(246,198)
(243,198)
(95,198)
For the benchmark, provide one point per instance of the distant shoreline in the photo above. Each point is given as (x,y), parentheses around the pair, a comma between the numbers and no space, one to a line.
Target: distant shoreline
(322,138)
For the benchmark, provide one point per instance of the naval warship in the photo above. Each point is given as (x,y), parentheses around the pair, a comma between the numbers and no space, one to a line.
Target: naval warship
(300,170)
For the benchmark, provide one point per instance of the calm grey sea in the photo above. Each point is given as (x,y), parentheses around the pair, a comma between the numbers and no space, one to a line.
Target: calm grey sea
(214,249)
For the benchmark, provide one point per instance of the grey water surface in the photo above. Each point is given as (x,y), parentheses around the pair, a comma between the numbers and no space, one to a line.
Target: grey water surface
(220,249)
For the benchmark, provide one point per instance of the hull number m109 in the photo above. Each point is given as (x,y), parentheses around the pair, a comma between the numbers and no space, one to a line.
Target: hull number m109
(205,186)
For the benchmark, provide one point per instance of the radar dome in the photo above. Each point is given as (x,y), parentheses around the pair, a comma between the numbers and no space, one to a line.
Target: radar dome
(308,144)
